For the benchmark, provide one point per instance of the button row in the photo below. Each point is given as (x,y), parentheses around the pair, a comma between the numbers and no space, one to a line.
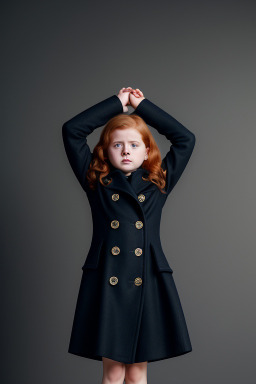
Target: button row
(114,280)
(141,197)
(116,250)
(115,224)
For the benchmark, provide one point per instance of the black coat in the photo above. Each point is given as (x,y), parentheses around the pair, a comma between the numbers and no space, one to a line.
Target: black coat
(128,308)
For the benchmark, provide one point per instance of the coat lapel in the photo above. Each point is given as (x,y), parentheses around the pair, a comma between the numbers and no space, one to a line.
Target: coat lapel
(133,187)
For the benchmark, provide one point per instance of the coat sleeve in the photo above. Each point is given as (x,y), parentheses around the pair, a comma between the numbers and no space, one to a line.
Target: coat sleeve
(182,140)
(76,130)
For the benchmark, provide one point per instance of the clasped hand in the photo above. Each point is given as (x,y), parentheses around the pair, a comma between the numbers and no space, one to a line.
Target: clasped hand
(130,96)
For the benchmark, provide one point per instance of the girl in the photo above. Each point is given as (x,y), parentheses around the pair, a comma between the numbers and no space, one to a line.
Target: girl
(128,311)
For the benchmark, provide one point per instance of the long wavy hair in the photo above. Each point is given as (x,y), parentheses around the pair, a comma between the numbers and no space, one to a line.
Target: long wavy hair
(100,165)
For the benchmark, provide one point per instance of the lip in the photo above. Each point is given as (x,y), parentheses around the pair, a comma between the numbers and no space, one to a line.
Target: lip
(126,161)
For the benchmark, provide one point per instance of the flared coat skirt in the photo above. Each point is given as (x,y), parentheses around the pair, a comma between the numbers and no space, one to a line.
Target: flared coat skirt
(102,324)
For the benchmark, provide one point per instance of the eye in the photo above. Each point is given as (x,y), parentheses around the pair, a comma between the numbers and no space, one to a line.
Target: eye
(118,144)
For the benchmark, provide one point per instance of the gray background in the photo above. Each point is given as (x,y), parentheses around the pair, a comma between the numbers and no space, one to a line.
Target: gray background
(194,59)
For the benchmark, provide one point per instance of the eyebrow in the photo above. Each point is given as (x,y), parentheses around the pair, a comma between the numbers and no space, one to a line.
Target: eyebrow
(131,141)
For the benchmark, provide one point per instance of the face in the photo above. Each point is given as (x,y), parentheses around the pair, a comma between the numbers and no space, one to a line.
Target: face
(127,144)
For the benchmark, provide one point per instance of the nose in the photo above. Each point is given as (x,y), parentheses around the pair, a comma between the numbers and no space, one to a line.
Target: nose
(125,151)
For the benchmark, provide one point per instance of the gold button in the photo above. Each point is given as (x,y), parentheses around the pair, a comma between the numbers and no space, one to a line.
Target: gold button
(113,280)
(138,224)
(114,224)
(141,197)
(138,281)
(115,196)
(115,250)
(138,251)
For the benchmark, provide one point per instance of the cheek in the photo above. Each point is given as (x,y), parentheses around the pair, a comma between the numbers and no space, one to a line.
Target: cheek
(112,153)
(141,153)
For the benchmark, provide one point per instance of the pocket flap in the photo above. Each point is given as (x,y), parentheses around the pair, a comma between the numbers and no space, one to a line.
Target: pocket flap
(161,261)
(93,256)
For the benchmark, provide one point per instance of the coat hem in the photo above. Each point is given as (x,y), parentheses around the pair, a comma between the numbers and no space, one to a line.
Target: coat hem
(126,361)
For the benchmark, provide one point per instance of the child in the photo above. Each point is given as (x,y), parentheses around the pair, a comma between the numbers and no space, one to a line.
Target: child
(128,310)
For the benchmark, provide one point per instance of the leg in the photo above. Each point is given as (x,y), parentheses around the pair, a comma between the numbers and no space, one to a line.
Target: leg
(136,373)
(113,371)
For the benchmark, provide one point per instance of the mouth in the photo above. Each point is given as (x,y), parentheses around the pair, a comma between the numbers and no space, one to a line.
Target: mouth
(126,161)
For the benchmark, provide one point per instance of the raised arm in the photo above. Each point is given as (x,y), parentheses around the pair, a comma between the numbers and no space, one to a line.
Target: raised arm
(182,140)
(76,130)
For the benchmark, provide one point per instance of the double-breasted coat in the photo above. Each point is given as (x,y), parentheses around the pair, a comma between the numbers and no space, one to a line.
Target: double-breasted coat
(128,308)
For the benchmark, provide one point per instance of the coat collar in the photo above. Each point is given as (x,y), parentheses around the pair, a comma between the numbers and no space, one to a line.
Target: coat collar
(134,186)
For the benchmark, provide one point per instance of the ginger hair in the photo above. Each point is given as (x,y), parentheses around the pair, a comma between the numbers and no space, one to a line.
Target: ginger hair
(100,165)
